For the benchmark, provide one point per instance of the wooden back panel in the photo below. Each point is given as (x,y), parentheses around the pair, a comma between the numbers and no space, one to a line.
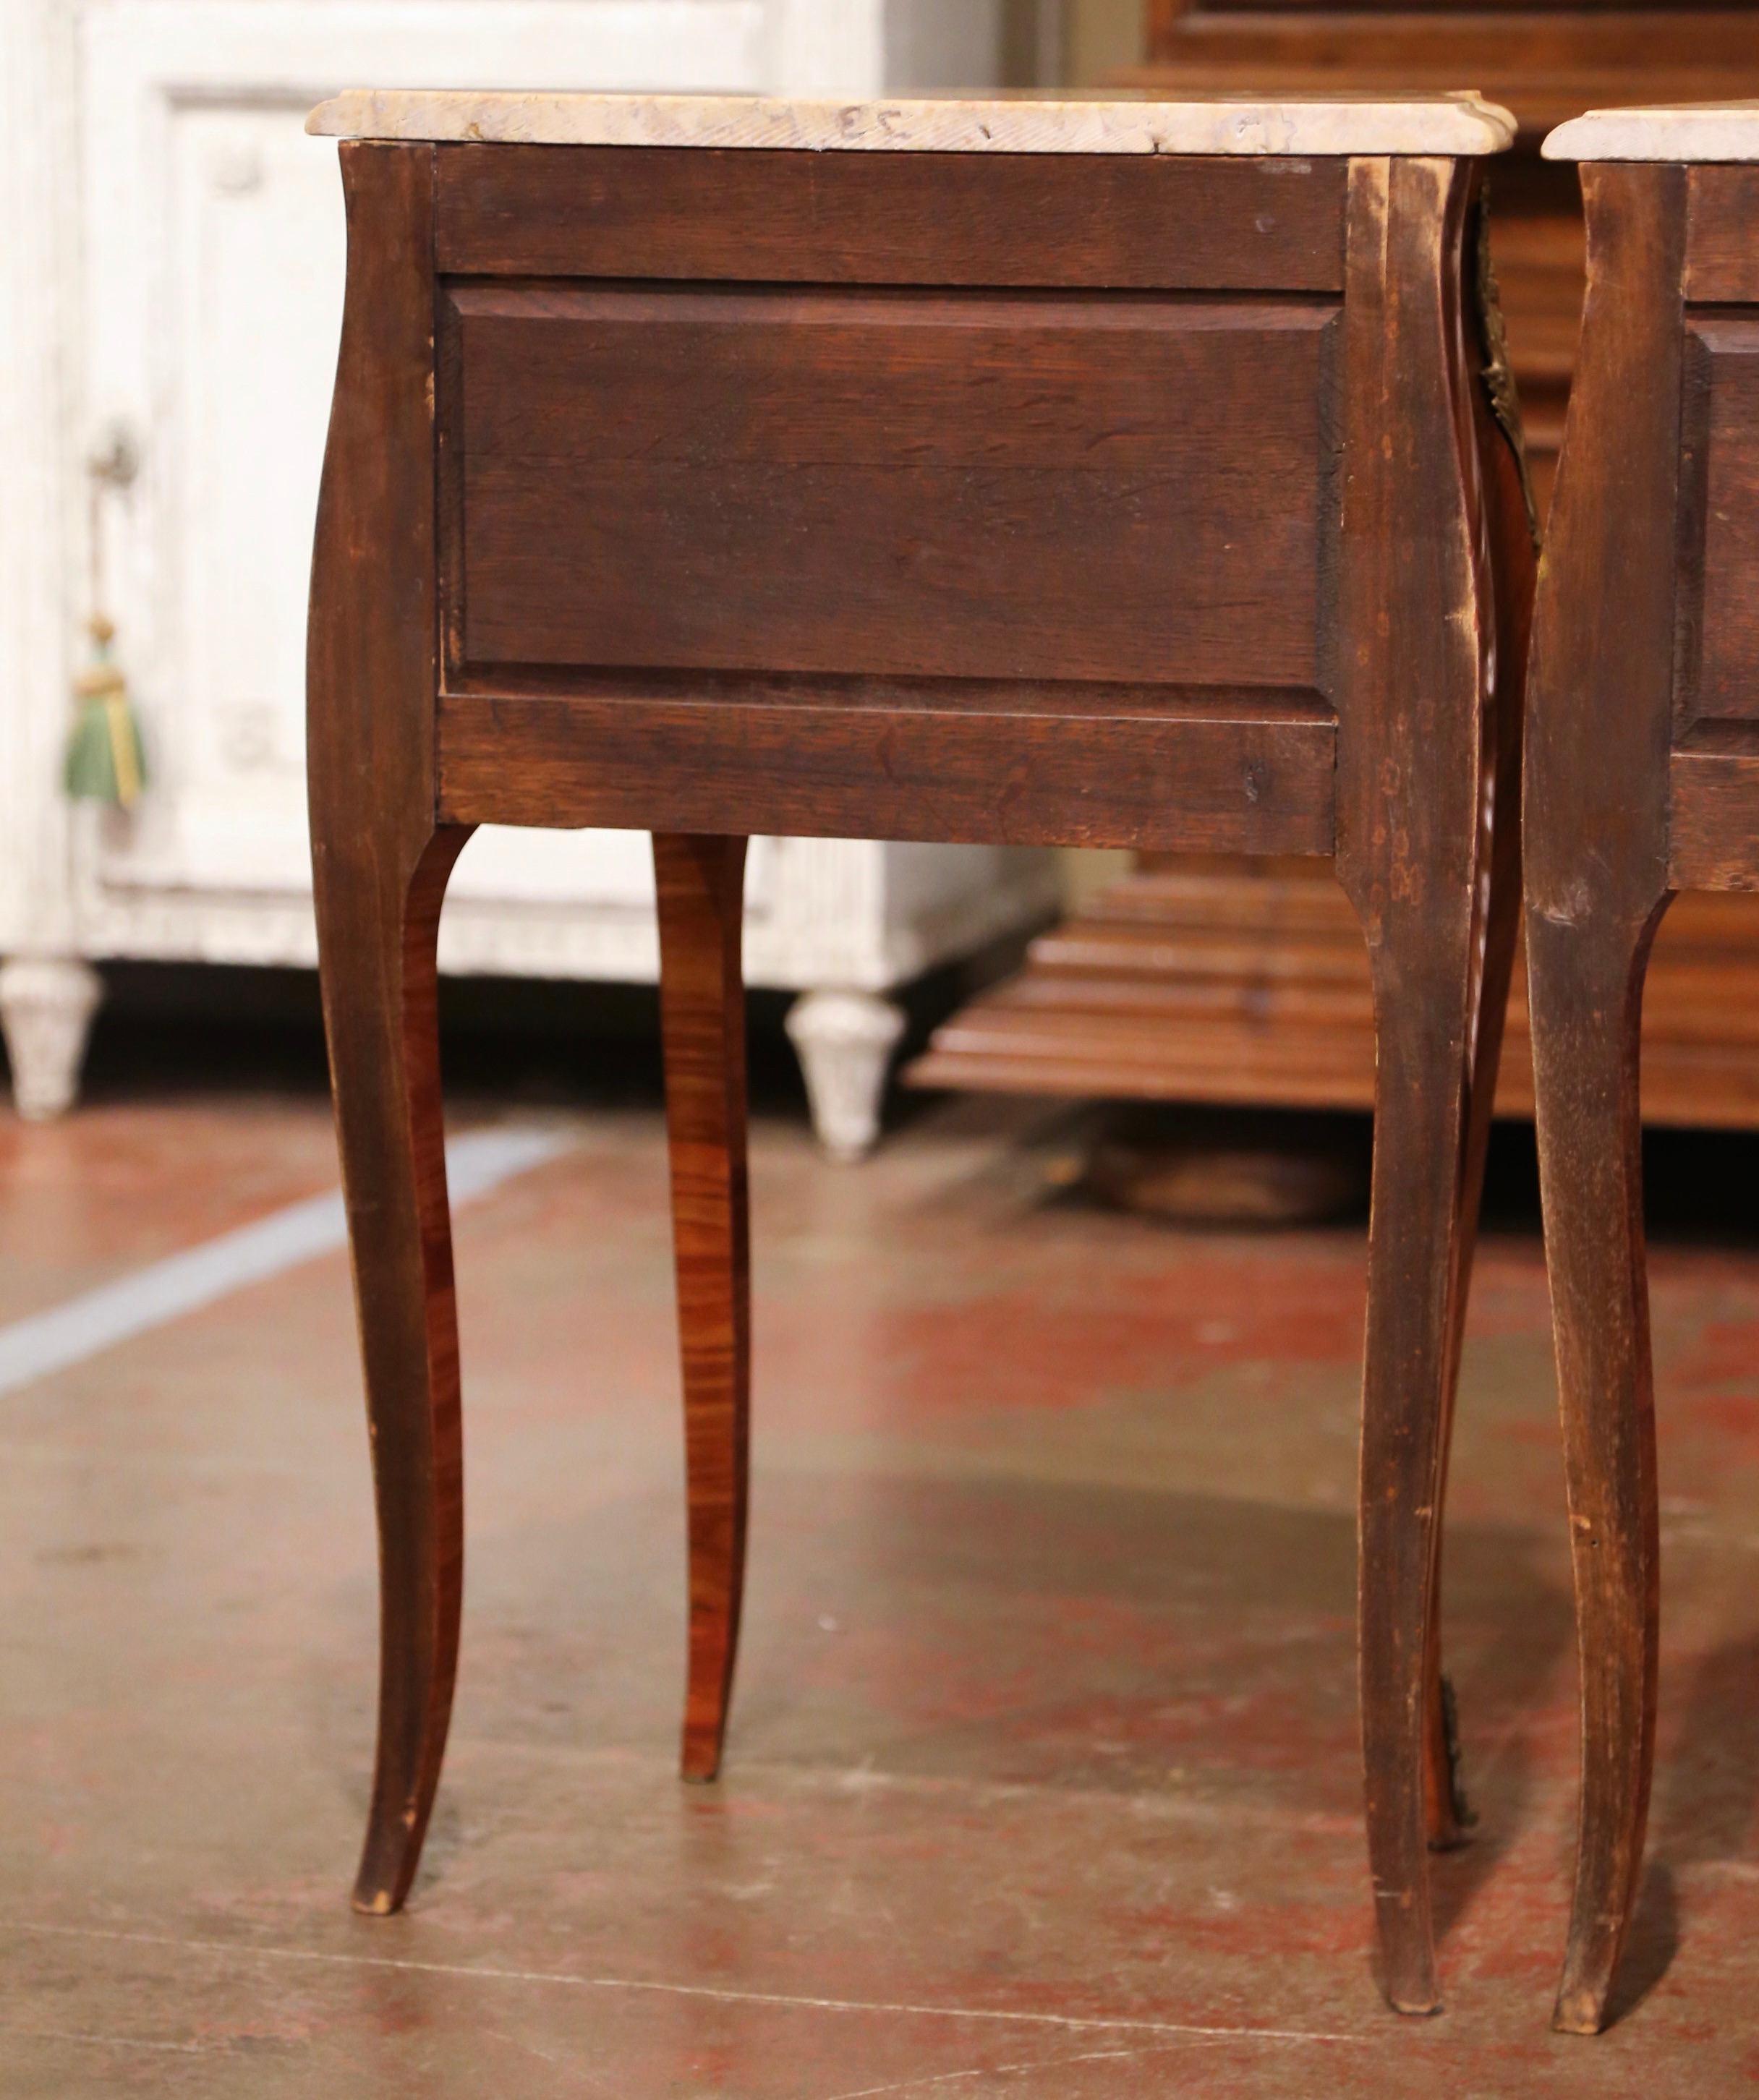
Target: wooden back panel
(917,495)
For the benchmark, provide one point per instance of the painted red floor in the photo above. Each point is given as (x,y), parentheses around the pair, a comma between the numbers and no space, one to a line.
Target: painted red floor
(1042,1780)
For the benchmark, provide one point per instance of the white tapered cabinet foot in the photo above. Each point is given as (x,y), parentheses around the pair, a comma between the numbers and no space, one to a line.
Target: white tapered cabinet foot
(845,1041)
(47,1003)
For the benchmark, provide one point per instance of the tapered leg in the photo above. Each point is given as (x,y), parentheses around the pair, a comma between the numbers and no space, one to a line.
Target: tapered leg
(1601,680)
(1447,1815)
(379,990)
(701,882)
(1415,1271)
(1585,987)
(379,869)
(1424,748)
(1509,541)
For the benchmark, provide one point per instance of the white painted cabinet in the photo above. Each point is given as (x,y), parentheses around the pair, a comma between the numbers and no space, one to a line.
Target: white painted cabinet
(171,276)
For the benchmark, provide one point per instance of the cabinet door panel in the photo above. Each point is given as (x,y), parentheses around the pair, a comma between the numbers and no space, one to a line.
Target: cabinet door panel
(214,271)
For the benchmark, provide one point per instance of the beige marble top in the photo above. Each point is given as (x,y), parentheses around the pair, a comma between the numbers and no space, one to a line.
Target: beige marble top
(1688,131)
(1440,124)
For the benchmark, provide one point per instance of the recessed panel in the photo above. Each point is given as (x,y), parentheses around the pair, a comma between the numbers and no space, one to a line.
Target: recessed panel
(1722,268)
(1024,486)
(1719,659)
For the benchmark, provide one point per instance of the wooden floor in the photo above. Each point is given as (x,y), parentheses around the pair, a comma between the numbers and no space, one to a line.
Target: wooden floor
(1042,1775)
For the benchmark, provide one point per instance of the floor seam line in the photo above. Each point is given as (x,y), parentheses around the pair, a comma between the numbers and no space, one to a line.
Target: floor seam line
(1066,2023)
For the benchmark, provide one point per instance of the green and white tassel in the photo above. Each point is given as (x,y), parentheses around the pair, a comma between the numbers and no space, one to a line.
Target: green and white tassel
(105,762)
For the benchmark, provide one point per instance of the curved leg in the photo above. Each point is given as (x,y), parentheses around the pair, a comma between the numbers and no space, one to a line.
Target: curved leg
(379,868)
(1447,1815)
(1425,748)
(1599,874)
(1415,1268)
(1510,545)
(701,884)
(379,992)
(1585,988)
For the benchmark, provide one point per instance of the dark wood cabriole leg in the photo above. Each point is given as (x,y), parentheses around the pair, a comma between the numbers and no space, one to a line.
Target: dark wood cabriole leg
(1414,1266)
(1424,751)
(701,882)
(1585,985)
(1509,536)
(1601,689)
(379,988)
(1447,1815)
(379,869)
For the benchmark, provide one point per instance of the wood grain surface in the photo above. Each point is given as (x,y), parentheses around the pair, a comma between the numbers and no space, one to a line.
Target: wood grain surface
(701,886)
(1717,621)
(1110,221)
(1600,695)
(1722,208)
(379,868)
(1713,796)
(1417,853)
(1217,778)
(894,485)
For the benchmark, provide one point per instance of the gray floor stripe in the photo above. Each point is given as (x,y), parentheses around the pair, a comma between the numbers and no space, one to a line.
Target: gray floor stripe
(97,1320)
